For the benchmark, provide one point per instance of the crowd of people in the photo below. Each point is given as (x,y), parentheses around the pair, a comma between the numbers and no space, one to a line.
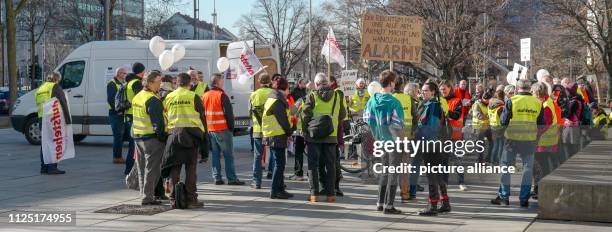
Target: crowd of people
(175,121)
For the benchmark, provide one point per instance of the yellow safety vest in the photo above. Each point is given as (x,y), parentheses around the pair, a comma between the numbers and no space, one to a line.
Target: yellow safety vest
(343,102)
(523,124)
(324,108)
(130,94)
(444,105)
(358,103)
(43,94)
(117,86)
(406,102)
(199,90)
(142,124)
(551,135)
(180,107)
(603,130)
(480,124)
(258,98)
(270,126)
(298,125)
(494,118)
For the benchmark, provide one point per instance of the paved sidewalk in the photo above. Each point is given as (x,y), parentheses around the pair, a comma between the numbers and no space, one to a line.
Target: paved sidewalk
(92,182)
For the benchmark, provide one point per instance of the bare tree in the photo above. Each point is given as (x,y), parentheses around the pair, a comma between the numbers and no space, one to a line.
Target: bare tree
(282,22)
(587,21)
(34,21)
(157,12)
(10,12)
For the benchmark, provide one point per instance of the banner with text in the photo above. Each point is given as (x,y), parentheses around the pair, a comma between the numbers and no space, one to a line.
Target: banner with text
(392,38)
(347,81)
(57,142)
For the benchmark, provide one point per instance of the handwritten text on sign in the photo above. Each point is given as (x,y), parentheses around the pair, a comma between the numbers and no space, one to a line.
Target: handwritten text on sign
(392,38)
(347,81)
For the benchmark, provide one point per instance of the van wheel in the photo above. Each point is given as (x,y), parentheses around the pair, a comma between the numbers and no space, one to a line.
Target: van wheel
(78,138)
(32,131)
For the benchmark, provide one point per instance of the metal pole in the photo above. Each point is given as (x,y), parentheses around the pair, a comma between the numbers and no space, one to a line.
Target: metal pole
(391,65)
(107,15)
(195,19)
(348,41)
(570,66)
(310,40)
(214,15)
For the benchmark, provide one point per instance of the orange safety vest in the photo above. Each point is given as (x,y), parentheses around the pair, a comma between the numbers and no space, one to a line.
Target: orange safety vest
(456,125)
(215,119)
(585,95)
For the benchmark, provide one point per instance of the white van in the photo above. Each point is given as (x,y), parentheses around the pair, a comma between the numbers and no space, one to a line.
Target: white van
(87,70)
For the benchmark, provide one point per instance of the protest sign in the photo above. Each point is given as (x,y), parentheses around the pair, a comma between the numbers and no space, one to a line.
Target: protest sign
(347,81)
(57,142)
(392,38)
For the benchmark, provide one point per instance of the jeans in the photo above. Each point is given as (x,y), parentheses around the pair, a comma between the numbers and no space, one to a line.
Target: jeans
(44,167)
(278,182)
(118,127)
(526,150)
(257,160)
(498,148)
(300,146)
(222,142)
(414,176)
(129,158)
(270,163)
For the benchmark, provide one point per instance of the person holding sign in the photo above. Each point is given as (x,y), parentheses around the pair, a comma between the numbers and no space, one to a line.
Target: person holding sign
(360,98)
(47,91)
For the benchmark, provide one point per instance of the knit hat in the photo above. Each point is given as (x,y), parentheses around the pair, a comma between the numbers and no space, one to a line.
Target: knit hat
(138,68)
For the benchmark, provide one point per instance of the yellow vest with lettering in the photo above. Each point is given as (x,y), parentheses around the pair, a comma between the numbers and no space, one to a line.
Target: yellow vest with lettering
(142,124)
(180,107)
(523,124)
(551,135)
(43,94)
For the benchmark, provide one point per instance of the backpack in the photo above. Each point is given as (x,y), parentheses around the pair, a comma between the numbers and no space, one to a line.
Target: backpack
(180,196)
(121,101)
(322,126)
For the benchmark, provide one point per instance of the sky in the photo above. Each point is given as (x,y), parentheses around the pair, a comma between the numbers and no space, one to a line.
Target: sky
(228,11)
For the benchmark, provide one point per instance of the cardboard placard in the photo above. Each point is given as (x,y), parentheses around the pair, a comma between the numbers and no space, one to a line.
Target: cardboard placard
(392,38)
(347,81)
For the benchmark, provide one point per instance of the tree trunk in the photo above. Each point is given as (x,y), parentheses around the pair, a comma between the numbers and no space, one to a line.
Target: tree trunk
(609,85)
(2,55)
(11,50)
(33,73)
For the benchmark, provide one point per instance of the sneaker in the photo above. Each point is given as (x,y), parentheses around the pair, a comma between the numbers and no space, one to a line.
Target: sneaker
(420,188)
(153,202)
(431,210)
(297,178)
(255,185)
(379,208)
(499,201)
(119,160)
(219,182)
(524,204)
(55,172)
(392,210)
(463,187)
(235,182)
(445,208)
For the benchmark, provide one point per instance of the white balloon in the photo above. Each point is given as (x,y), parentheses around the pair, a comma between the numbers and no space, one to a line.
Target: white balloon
(166,59)
(541,73)
(178,51)
(374,87)
(511,77)
(157,45)
(223,64)
(243,79)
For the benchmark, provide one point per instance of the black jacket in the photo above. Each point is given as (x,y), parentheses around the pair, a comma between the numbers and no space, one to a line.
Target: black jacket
(111,91)
(279,110)
(180,147)
(298,93)
(136,87)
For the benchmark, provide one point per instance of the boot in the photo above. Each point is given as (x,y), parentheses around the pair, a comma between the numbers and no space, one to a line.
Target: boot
(331,199)
(445,208)
(313,198)
(431,210)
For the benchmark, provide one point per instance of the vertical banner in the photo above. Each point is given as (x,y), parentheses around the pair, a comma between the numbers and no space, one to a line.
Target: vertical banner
(57,142)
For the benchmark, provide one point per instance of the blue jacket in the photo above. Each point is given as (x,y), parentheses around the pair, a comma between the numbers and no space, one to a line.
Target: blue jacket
(382,112)
(430,120)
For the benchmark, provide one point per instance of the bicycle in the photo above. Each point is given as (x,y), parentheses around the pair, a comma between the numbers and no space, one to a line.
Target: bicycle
(359,158)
